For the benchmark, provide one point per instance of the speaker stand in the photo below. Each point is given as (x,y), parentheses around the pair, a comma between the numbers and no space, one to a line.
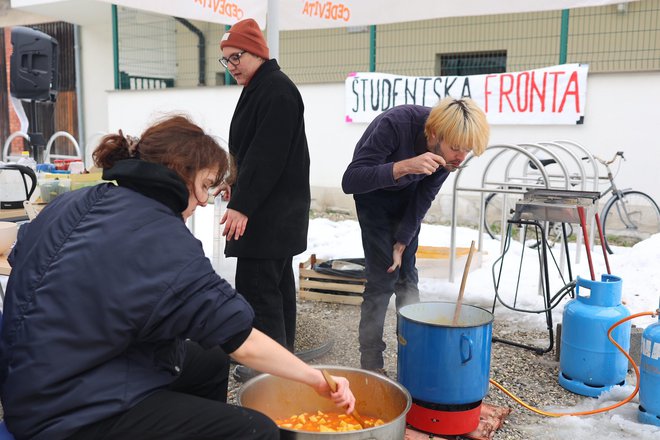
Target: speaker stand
(37,140)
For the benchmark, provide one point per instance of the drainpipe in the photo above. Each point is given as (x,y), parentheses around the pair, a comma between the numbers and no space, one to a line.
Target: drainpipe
(201,47)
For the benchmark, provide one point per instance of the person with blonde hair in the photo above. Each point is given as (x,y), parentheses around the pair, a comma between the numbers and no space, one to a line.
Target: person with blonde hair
(398,167)
(115,323)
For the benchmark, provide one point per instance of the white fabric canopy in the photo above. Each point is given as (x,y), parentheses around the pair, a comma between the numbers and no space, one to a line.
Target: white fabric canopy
(279,15)
(300,14)
(304,14)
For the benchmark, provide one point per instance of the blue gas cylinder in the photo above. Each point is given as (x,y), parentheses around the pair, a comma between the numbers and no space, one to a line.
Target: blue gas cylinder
(589,363)
(649,380)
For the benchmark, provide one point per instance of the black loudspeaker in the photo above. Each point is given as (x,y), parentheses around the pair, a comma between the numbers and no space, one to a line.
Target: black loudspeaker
(33,65)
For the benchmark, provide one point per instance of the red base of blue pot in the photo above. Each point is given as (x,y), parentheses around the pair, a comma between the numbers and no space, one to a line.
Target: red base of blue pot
(443,422)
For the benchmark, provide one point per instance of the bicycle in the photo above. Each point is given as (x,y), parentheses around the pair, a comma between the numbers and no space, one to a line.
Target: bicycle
(628,217)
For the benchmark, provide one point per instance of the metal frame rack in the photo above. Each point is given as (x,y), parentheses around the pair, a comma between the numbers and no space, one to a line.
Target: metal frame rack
(517,170)
(539,206)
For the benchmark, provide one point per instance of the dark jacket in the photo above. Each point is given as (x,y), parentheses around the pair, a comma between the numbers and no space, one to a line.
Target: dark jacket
(267,140)
(395,135)
(106,284)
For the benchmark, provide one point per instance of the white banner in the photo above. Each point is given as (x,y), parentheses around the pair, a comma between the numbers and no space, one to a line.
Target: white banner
(214,11)
(552,95)
(305,14)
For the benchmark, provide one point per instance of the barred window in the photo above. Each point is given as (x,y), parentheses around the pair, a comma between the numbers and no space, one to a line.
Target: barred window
(474,63)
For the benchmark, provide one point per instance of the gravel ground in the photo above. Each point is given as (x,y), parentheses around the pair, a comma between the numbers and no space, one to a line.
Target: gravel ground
(527,375)
(531,377)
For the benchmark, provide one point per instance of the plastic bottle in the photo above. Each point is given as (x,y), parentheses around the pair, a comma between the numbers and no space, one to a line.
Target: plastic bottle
(27,160)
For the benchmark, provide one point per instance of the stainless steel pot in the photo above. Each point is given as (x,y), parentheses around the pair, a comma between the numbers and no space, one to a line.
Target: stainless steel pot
(377,396)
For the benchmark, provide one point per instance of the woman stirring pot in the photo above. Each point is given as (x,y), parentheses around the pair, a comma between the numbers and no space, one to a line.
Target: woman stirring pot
(115,323)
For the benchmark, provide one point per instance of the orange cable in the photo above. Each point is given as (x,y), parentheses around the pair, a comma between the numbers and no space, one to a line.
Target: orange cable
(599,410)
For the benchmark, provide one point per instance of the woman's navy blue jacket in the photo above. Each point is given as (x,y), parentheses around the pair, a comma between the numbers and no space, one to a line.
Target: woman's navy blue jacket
(106,285)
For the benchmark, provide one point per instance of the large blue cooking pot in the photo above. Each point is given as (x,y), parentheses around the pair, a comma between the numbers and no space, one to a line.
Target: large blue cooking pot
(443,363)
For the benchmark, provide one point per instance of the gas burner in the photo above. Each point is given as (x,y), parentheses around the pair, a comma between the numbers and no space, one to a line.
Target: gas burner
(555,205)
(436,418)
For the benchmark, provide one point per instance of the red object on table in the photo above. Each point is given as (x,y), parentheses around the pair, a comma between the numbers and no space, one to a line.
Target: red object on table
(583,225)
(60,164)
(63,164)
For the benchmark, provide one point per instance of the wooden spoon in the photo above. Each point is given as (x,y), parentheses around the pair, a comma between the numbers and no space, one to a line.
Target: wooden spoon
(333,386)
(459,301)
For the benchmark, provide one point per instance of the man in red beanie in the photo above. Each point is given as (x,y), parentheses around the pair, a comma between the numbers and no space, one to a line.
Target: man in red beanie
(248,39)
(268,211)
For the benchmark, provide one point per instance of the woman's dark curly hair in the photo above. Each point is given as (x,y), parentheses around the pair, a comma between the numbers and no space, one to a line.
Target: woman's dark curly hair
(174,142)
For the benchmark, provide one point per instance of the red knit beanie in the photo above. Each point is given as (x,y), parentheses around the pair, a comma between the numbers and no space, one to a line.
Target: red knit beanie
(246,35)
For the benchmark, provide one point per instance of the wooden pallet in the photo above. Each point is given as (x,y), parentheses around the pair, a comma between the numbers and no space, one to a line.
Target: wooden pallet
(432,262)
(317,286)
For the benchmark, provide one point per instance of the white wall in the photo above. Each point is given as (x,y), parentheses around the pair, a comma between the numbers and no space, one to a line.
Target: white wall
(210,107)
(620,115)
(96,65)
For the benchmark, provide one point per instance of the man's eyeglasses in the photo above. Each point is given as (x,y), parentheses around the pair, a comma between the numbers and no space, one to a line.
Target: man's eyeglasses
(234,59)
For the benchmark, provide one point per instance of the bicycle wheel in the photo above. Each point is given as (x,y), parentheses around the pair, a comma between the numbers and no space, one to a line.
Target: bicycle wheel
(628,218)
(493,212)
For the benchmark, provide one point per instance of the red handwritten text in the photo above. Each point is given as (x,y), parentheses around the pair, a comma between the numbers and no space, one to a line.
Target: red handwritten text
(520,92)
(222,7)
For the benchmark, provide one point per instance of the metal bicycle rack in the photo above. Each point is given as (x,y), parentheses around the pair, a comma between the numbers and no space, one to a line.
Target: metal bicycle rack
(582,160)
(48,156)
(525,180)
(509,184)
(522,172)
(563,180)
(6,157)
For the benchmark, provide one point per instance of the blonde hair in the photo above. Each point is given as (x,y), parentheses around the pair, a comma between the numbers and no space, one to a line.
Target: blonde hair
(460,123)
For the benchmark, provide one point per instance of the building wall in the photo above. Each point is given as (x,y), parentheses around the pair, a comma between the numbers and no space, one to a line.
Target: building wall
(96,66)
(612,123)
(608,38)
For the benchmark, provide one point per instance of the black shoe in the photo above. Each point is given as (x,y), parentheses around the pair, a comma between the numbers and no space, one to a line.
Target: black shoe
(242,373)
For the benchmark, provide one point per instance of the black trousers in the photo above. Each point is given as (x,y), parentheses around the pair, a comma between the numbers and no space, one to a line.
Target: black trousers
(379,214)
(193,408)
(270,288)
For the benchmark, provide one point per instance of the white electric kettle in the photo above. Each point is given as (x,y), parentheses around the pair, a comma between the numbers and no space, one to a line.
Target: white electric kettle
(14,188)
